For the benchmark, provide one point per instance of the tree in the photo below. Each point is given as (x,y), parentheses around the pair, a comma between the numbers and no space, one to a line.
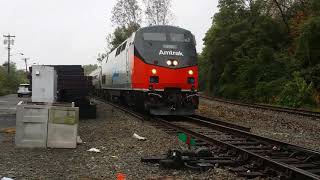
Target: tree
(158,12)
(126,13)
(100,58)
(10,82)
(89,68)
(119,35)
(254,46)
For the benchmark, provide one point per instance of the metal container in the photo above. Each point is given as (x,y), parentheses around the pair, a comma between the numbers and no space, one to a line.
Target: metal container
(44,84)
(63,127)
(31,125)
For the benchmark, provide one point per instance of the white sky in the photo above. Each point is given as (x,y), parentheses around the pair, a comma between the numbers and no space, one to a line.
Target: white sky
(74,31)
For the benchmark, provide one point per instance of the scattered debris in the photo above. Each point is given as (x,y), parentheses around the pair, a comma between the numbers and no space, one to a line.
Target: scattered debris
(275,148)
(6,178)
(8,130)
(121,176)
(140,138)
(199,160)
(116,157)
(94,150)
(79,140)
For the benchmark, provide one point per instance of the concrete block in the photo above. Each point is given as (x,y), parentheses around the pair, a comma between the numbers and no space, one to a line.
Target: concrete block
(31,125)
(63,127)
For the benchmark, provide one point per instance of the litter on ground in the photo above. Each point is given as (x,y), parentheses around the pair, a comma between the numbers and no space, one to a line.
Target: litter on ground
(94,150)
(140,138)
(79,140)
(6,178)
(8,131)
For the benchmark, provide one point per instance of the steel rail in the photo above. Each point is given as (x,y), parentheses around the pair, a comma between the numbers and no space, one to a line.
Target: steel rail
(302,112)
(292,171)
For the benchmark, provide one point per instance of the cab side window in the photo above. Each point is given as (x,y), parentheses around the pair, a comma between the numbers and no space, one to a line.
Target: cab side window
(121,48)
(104,79)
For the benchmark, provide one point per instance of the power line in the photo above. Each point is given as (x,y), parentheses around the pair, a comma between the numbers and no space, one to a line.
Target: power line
(9,40)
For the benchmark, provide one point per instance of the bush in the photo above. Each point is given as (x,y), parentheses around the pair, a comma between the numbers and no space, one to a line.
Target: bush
(266,91)
(296,93)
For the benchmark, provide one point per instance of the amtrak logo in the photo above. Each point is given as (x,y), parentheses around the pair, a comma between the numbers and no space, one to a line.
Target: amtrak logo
(170,53)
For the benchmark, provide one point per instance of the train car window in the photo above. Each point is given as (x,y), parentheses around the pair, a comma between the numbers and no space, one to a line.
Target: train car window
(154,36)
(179,37)
(118,51)
(123,46)
(104,79)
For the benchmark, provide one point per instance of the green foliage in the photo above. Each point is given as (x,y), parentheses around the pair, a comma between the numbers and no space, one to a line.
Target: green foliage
(10,83)
(203,72)
(89,68)
(308,51)
(249,54)
(120,34)
(297,92)
(315,6)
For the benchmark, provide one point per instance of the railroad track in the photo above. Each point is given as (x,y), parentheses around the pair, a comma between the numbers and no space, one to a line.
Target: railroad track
(246,154)
(254,155)
(312,114)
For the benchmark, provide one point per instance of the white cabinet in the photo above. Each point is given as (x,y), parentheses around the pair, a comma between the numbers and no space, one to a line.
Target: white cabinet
(44,84)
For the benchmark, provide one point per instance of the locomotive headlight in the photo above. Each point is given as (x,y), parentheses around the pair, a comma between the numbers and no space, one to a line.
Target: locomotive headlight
(154,71)
(169,62)
(190,72)
(175,62)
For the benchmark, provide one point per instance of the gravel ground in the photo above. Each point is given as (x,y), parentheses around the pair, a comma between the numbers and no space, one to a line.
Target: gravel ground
(294,129)
(112,133)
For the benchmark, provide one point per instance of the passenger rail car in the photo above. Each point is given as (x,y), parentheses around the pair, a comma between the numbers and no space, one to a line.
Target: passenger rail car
(155,69)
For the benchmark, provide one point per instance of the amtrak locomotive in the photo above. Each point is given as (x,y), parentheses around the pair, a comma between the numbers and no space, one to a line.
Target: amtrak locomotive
(155,69)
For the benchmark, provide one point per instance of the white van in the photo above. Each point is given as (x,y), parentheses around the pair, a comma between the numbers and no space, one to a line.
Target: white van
(23,90)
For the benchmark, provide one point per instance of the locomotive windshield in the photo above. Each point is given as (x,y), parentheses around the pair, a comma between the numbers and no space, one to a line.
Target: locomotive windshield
(163,37)
(156,44)
(154,36)
(179,37)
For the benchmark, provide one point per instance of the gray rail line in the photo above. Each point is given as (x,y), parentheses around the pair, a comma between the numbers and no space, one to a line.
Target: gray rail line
(301,112)
(253,155)
(290,161)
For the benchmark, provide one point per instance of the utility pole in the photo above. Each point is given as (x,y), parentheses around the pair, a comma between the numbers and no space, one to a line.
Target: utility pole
(9,41)
(25,62)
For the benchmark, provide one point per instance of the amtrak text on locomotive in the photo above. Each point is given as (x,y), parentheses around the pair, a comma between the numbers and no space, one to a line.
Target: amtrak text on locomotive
(170,53)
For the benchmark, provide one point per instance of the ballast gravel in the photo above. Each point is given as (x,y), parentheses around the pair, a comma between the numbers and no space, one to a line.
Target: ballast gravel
(111,133)
(290,128)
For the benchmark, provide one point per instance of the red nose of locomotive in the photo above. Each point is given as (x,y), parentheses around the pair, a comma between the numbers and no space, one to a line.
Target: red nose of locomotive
(153,77)
(161,78)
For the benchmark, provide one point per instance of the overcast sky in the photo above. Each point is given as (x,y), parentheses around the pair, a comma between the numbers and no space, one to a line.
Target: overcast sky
(74,31)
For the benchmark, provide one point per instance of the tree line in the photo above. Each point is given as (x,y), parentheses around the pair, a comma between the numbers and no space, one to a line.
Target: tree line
(264,51)
(9,82)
